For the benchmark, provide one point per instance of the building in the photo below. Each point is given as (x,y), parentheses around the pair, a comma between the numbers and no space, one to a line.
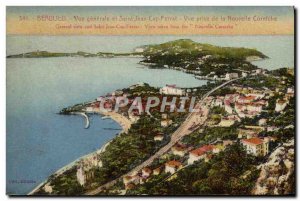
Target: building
(228,107)
(229,76)
(84,175)
(135,179)
(244,74)
(172,90)
(262,122)
(290,90)
(89,109)
(258,71)
(146,172)
(172,166)
(280,105)
(164,116)
(226,122)
(179,150)
(246,99)
(199,153)
(218,148)
(158,137)
(256,146)
(48,189)
(219,101)
(157,171)
(227,143)
(246,133)
(166,122)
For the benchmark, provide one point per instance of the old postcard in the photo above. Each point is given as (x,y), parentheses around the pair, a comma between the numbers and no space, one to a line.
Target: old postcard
(152,101)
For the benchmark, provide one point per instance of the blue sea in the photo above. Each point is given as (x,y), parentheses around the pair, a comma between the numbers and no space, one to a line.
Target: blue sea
(39,141)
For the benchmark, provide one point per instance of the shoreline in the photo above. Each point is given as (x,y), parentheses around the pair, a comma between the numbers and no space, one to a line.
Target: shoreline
(118,118)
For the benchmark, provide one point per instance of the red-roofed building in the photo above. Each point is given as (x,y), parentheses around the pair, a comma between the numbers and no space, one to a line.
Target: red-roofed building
(246,99)
(172,166)
(256,146)
(199,153)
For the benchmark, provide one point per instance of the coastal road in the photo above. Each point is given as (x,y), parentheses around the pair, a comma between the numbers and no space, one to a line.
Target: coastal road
(183,130)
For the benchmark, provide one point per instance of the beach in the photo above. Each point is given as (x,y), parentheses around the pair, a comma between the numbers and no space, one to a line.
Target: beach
(124,122)
(120,119)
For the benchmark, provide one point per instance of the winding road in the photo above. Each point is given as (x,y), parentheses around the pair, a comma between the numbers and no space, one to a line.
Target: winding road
(183,130)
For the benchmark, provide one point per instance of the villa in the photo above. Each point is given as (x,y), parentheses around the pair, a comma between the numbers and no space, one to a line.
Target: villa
(172,90)
(229,76)
(256,146)
(199,153)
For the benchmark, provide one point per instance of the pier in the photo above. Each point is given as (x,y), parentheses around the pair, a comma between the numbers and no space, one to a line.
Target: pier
(87,124)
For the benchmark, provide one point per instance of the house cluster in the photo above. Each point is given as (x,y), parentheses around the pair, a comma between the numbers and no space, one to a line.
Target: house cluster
(244,103)
(227,76)
(85,167)
(205,153)
(282,103)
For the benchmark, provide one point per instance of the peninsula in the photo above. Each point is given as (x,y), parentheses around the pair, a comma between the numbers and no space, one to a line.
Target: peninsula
(246,118)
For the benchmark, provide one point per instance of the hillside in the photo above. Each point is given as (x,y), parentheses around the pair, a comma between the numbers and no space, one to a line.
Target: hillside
(200,59)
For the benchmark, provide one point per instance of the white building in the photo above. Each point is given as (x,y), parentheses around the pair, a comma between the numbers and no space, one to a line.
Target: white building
(256,146)
(83,176)
(199,153)
(229,76)
(48,188)
(244,74)
(166,122)
(172,90)
(225,122)
(158,137)
(172,166)
(290,90)
(280,105)
(262,122)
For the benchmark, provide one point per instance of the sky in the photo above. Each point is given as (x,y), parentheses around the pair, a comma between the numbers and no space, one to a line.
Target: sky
(260,20)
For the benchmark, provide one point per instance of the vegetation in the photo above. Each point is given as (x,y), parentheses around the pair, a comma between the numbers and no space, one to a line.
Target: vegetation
(188,48)
(225,173)
(203,58)
(210,134)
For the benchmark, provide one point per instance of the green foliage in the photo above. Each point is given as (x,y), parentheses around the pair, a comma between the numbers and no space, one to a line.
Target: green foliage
(210,134)
(231,172)
(223,91)
(189,47)
(66,184)
(218,110)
